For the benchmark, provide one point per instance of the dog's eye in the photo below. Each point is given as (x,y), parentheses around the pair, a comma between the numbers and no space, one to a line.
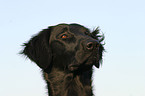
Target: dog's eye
(64,36)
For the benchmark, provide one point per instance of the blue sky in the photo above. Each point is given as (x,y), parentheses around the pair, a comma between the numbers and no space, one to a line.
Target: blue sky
(122,22)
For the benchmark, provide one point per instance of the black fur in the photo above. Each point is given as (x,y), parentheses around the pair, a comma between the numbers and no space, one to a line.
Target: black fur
(66,54)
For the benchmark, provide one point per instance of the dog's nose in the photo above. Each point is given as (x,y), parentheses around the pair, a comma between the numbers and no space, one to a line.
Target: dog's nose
(92,45)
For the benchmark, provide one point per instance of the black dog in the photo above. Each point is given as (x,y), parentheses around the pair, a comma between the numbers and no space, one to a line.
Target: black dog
(66,54)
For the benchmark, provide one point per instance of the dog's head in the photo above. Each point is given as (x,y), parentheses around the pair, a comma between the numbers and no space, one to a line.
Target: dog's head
(65,47)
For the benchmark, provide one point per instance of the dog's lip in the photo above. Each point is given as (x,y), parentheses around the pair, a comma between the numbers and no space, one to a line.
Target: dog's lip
(73,67)
(89,60)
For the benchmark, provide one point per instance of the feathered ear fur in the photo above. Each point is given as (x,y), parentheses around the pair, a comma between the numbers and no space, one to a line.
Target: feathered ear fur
(100,38)
(38,50)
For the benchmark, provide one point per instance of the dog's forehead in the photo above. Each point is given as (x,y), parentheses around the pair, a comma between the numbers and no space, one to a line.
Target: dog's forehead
(73,28)
(76,28)
(60,27)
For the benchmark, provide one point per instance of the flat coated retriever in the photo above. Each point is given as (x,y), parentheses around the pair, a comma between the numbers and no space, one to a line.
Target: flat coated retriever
(66,54)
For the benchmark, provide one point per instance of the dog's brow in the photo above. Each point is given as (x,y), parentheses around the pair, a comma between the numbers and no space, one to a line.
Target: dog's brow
(65,29)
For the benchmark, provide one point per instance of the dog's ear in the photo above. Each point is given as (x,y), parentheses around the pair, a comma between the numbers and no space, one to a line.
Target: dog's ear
(100,38)
(38,50)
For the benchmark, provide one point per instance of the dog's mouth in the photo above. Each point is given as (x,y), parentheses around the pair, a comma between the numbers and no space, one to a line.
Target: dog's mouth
(85,65)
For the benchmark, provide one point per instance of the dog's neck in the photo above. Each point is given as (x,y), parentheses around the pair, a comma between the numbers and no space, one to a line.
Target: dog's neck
(68,84)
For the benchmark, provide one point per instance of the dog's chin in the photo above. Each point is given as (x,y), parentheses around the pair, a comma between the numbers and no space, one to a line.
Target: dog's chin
(85,66)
